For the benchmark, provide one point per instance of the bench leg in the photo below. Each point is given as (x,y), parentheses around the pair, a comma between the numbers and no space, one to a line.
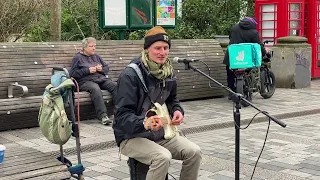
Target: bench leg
(138,170)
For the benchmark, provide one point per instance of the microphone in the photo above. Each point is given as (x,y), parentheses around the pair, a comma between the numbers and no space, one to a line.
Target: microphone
(184,60)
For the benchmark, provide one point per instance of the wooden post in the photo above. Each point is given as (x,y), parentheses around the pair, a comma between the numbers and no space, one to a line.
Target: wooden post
(93,18)
(55,24)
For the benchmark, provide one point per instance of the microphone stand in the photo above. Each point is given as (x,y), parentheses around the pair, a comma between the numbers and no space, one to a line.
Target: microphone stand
(236,98)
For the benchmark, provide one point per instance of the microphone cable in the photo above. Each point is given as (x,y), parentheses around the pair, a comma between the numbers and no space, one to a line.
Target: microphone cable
(264,142)
(172,176)
(238,126)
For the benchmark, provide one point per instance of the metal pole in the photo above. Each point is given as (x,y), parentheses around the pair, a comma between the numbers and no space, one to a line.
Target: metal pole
(121,35)
(236,116)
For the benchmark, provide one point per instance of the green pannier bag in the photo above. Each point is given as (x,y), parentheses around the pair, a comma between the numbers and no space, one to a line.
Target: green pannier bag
(244,55)
(53,120)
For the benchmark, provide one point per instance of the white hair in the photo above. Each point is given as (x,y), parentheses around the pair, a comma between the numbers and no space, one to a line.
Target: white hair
(87,40)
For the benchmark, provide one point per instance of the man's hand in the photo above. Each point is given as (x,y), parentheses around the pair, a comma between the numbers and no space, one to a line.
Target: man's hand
(92,69)
(177,118)
(154,122)
(99,67)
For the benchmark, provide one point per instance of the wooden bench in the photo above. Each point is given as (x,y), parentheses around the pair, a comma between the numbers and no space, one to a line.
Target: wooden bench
(30,64)
(27,163)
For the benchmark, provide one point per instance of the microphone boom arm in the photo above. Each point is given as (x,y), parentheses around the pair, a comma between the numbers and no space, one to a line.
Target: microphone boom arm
(236,97)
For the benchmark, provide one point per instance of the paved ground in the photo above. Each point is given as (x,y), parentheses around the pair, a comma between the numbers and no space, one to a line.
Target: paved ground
(290,153)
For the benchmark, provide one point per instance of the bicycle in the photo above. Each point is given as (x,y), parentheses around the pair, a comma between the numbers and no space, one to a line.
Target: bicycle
(260,79)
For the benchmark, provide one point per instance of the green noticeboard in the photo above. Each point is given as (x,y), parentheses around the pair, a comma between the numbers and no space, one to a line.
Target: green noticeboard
(137,14)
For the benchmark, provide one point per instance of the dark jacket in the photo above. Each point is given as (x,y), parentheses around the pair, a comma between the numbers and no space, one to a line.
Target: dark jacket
(131,102)
(243,32)
(80,68)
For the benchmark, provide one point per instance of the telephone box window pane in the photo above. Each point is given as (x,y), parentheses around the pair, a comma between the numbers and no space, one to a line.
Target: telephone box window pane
(318,64)
(295,15)
(295,7)
(268,25)
(268,8)
(294,32)
(268,33)
(269,16)
(294,24)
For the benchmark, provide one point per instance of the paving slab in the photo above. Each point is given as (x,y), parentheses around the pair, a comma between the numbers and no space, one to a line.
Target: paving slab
(218,160)
(289,150)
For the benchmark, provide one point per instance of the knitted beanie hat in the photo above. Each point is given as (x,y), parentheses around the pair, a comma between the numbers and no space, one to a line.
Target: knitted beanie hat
(253,20)
(155,34)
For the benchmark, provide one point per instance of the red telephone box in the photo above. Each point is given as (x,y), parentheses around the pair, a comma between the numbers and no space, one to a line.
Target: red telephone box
(267,15)
(278,18)
(313,34)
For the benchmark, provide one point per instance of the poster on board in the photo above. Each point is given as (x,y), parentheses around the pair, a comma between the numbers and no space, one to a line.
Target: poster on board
(115,13)
(166,12)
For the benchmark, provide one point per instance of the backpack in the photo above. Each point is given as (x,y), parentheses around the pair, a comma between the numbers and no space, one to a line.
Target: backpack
(52,118)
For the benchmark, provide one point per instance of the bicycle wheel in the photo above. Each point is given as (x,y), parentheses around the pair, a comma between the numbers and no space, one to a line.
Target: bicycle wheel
(247,91)
(268,84)
(243,87)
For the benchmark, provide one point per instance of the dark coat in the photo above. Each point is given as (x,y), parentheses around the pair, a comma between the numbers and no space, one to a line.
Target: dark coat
(80,68)
(244,32)
(131,102)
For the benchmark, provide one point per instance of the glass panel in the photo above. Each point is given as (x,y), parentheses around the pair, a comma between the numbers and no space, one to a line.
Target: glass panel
(268,25)
(268,8)
(295,15)
(294,7)
(268,33)
(294,32)
(294,24)
(318,59)
(269,16)
(115,13)
(141,13)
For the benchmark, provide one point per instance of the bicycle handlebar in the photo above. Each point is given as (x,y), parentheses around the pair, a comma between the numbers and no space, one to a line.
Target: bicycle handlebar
(267,41)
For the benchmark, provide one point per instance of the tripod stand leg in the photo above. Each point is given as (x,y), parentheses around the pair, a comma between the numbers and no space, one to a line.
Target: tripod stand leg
(236,116)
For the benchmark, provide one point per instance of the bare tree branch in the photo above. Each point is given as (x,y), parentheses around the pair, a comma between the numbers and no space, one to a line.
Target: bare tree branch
(17,15)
